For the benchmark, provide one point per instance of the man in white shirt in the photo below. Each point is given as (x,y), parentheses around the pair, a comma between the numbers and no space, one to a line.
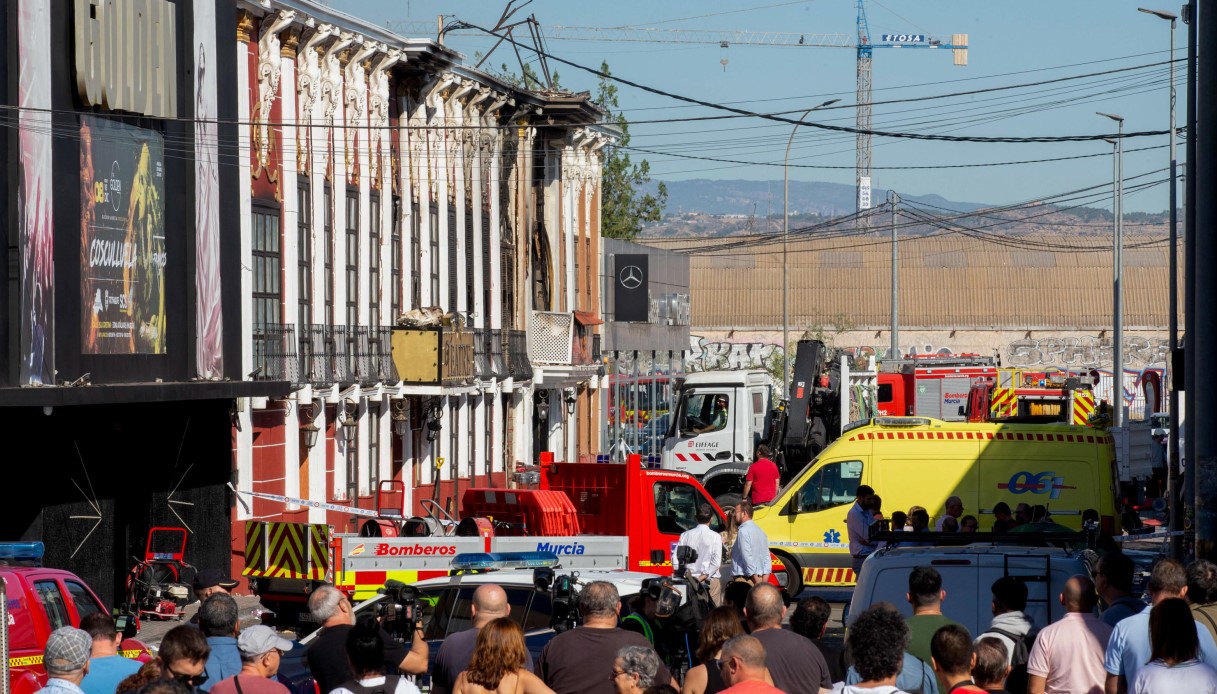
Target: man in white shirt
(857,525)
(709,547)
(954,509)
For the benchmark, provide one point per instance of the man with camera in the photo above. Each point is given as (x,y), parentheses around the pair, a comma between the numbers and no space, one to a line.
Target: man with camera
(327,656)
(489,603)
(580,660)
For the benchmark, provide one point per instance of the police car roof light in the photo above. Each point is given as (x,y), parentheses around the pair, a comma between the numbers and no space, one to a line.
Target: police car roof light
(483,561)
(31,552)
(902,421)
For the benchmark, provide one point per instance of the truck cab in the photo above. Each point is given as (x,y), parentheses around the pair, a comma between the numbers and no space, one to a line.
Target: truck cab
(719,420)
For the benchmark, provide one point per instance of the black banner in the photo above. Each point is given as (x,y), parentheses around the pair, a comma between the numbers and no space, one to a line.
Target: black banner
(631,290)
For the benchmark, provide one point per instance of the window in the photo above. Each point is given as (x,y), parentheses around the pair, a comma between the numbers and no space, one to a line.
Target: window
(374,260)
(395,263)
(373,447)
(352,461)
(461,617)
(470,258)
(416,257)
(832,485)
(53,602)
(453,260)
(352,259)
(304,259)
(885,392)
(328,240)
(434,241)
(540,612)
(82,599)
(706,411)
(676,507)
(267,289)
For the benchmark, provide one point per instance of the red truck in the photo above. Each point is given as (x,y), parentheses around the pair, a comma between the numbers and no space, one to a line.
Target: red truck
(931,385)
(592,515)
(39,600)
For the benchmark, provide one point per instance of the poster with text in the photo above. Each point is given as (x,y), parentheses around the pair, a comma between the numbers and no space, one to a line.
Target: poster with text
(122,238)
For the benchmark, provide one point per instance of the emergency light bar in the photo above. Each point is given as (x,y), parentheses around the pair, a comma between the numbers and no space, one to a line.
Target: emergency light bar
(31,552)
(483,561)
(902,421)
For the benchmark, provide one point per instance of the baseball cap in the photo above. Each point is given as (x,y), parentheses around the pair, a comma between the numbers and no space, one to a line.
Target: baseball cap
(67,650)
(209,578)
(260,639)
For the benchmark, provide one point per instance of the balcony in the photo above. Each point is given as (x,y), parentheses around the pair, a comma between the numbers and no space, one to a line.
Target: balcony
(563,346)
(372,355)
(325,355)
(442,356)
(517,364)
(275,353)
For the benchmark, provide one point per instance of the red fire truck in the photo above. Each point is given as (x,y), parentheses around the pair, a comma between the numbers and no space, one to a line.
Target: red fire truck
(931,385)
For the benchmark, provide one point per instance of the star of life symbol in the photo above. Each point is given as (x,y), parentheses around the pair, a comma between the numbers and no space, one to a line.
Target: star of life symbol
(631,277)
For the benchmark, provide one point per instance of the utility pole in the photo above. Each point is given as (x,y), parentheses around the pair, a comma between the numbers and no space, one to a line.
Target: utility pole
(1203,398)
(894,200)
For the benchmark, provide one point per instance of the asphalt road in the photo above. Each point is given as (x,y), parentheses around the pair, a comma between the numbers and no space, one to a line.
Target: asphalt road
(151,631)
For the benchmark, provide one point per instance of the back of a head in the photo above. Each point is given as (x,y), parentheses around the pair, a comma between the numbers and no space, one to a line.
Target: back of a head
(365,649)
(762,451)
(218,615)
(877,640)
(864,490)
(1079,594)
(183,643)
(323,602)
(920,518)
(899,519)
(166,686)
(1039,513)
(719,626)
(1201,582)
(599,599)
(100,626)
(951,648)
(748,649)
(640,660)
(1117,569)
(764,606)
(147,672)
(990,667)
(498,650)
(810,616)
(1172,631)
(1010,594)
(490,600)
(1001,508)
(925,586)
(705,514)
(1168,578)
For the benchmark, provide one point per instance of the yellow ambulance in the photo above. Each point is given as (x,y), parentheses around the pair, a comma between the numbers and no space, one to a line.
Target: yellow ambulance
(918,461)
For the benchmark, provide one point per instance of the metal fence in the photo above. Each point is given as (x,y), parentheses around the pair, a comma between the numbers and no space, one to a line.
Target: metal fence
(275,356)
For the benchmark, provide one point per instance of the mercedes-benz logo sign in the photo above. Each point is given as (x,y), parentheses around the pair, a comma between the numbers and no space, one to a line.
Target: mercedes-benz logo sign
(631,277)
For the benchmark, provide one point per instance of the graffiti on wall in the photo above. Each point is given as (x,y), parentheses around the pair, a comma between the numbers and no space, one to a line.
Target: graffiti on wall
(1088,352)
(705,355)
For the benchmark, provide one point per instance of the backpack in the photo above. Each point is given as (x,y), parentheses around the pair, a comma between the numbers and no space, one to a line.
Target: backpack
(389,686)
(1017,681)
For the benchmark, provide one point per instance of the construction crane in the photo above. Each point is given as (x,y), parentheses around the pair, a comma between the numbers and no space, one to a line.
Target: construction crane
(862,43)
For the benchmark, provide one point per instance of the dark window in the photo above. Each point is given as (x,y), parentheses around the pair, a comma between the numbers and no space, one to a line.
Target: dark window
(328,240)
(676,507)
(454,257)
(352,455)
(461,617)
(395,263)
(539,613)
(416,257)
(435,259)
(53,602)
(304,261)
(267,287)
(374,260)
(833,485)
(373,447)
(352,261)
(470,257)
(82,599)
(435,604)
(885,392)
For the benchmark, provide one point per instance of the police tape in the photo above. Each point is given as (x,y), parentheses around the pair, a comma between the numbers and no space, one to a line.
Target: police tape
(308,503)
(1151,536)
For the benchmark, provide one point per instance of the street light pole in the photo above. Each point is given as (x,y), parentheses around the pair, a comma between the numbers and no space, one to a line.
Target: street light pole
(1172,446)
(786,250)
(1117,367)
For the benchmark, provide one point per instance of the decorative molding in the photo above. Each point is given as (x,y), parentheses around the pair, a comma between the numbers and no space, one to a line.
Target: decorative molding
(378,113)
(269,73)
(245,26)
(308,90)
(291,41)
(356,103)
(331,88)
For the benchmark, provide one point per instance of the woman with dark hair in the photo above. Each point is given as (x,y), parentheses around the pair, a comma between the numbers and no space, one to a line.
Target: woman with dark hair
(366,653)
(498,663)
(720,625)
(1173,665)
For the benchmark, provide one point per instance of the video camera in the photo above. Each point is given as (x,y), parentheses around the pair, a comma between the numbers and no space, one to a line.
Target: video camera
(399,612)
(563,592)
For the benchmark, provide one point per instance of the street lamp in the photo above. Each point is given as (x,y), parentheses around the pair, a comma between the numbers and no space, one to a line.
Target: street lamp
(1117,268)
(1172,476)
(786,250)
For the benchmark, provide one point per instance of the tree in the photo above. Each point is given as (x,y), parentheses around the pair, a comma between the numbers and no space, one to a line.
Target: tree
(623,207)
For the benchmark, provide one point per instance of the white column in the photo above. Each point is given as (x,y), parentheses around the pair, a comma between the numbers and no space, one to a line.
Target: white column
(481,457)
(497,461)
(479,234)
(571,200)
(458,142)
(442,198)
(244,435)
(495,233)
(319,464)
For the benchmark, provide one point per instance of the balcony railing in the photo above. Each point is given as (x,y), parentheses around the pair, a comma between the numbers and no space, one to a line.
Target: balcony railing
(557,339)
(498,354)
(434,355)
(275,353)
(372,355)
(325,353)
(518,365)
(482,362)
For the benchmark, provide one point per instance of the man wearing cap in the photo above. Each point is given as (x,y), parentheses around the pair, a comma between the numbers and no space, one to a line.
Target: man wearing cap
(66,659)
(208,582)
(106,667)
(261,650)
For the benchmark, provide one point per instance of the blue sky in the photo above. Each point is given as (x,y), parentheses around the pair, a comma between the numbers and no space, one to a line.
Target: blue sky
(1011,43)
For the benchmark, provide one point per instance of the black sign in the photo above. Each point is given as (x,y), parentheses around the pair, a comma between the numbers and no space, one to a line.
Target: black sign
(631,294)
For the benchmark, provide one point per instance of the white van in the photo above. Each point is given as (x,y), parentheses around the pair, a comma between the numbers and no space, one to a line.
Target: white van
(968,572)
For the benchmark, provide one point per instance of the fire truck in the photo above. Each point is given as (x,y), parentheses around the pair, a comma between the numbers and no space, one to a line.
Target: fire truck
(591,515)
(1056,397)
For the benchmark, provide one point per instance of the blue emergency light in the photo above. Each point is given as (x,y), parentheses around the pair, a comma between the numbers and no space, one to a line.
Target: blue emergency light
(31,552)
(483,561)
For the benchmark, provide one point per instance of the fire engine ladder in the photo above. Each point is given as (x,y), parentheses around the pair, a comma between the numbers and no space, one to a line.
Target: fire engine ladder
(439,521)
